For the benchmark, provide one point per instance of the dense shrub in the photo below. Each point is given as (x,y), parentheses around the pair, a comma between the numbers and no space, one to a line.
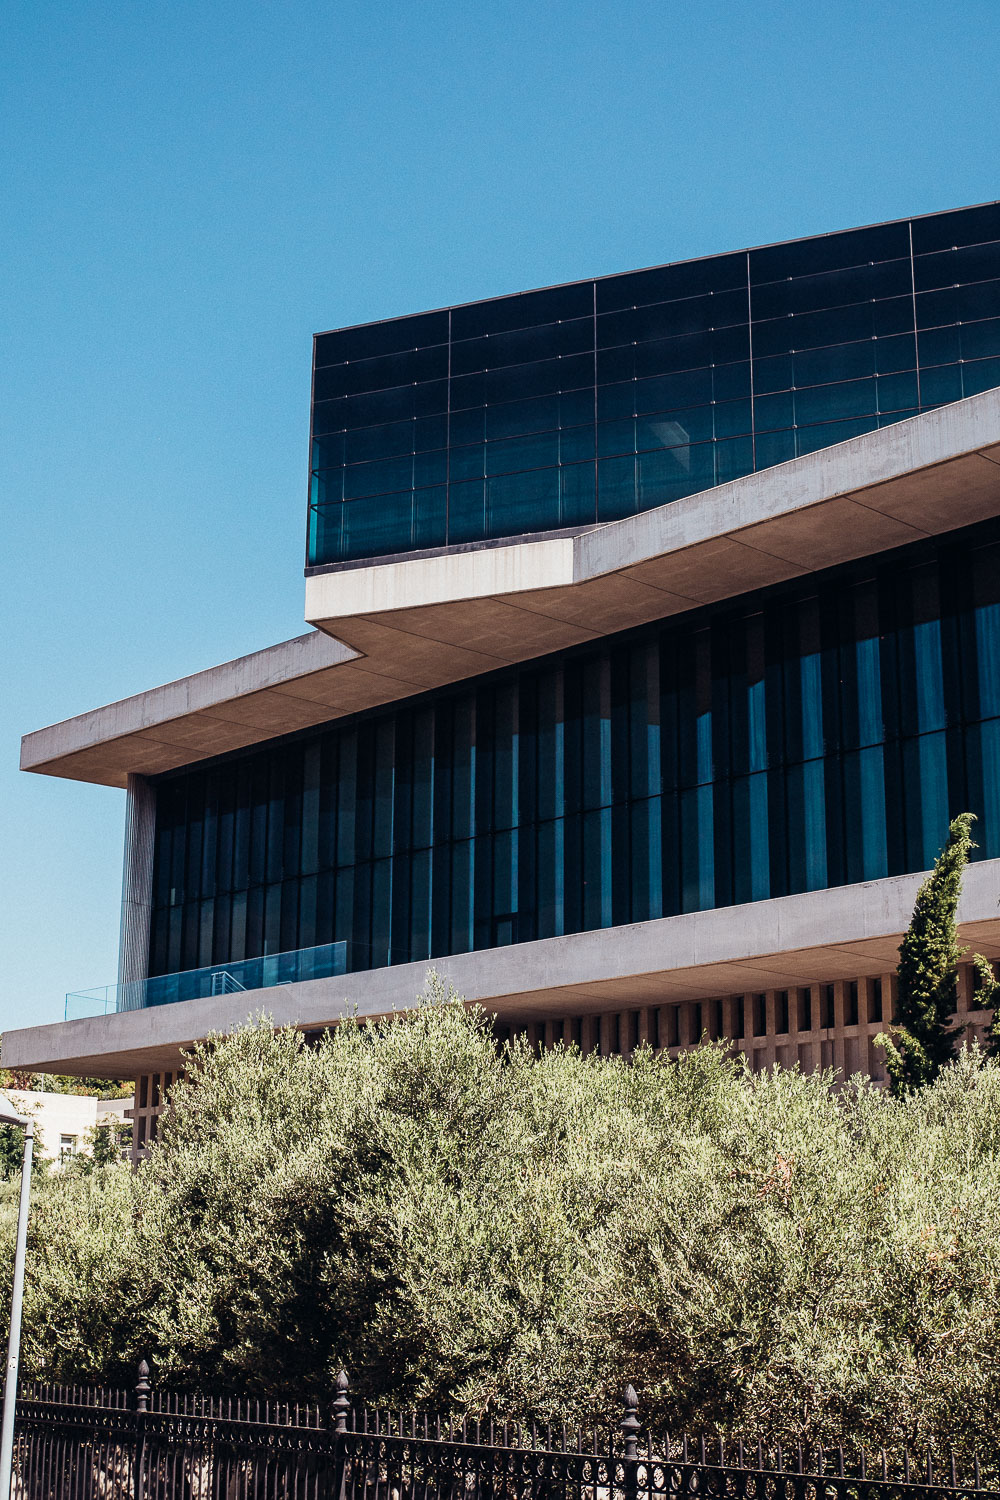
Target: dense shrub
(462,1228)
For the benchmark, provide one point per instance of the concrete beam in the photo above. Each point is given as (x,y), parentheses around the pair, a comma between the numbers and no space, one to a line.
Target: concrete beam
(792,941)
(223,708)
(390,630)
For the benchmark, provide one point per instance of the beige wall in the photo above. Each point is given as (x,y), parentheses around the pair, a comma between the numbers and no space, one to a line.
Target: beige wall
(65,1115)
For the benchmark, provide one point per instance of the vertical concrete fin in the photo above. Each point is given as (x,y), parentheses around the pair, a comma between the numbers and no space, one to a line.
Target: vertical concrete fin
(137,880)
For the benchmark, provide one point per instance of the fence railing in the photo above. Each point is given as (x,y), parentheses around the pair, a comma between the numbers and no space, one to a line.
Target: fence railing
(89,1443)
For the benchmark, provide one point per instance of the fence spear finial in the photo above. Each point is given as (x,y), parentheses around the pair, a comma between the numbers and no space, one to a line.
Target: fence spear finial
(630,1422)
(342,1403)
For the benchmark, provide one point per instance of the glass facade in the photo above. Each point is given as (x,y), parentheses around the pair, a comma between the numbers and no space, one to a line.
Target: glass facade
(589,402)
(814,734)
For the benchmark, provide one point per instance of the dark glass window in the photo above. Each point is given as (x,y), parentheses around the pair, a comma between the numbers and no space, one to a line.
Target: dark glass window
(693,278)
(813,734)
(955,267)
(523,310)
(380,374)
(494,351)
(373,339)
(848,332)
(826,1006)
(851,1004)
(781,1011)
(963,226)
(803,1002)
(759,1003)
(805,294)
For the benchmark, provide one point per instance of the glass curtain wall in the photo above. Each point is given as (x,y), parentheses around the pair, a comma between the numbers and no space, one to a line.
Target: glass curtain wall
(585,403)
(815,734)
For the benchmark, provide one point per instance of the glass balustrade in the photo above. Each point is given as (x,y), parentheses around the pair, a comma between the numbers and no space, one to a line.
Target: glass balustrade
(230,978)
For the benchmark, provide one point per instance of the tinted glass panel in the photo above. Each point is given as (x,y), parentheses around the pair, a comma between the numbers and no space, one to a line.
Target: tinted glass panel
(694,278)
(848,332)
(373,339)
(526,310)
(830,252)
(495,350)
(663,320)
(800,294)
(379,374)
(954,267)
(964,226)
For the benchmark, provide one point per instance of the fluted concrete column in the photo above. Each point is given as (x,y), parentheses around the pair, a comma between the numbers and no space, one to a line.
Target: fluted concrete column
(137,886)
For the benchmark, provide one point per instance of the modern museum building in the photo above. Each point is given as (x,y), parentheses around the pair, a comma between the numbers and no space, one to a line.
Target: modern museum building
(654,639)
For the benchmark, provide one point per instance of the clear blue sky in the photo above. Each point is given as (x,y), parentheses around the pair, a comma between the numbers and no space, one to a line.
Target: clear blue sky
(189,190)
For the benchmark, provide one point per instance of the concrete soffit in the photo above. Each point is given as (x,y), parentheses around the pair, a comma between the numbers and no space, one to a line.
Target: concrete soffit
(389,630)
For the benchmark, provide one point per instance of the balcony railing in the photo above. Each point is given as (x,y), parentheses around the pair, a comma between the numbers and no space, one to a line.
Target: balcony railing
(217,979)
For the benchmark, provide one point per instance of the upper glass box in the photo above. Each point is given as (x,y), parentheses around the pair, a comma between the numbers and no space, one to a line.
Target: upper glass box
(558,409)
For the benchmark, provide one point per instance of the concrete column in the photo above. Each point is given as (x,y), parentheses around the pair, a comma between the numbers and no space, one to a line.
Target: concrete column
(670,1027)
(141,1116)
(730,1020)
(866,1027)
(137,889)
(646,1028)
(770,1027)
(839,1004)
(810,1052)
(839,1059)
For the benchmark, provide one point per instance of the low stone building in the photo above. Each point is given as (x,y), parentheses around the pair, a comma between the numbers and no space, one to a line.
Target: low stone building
(64,1122)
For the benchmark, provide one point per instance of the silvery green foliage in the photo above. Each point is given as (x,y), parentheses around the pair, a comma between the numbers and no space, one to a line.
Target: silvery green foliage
(462,1227)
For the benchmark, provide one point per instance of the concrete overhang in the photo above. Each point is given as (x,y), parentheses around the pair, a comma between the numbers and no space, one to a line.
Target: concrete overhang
(812,938)
(392,629)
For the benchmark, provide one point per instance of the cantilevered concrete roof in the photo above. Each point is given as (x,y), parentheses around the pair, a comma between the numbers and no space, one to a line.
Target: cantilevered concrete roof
(391,629)
(782,943)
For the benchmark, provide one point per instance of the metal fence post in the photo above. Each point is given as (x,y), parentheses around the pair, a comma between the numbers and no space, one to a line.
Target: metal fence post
(139,1450)
(341,1406)
(630,1428)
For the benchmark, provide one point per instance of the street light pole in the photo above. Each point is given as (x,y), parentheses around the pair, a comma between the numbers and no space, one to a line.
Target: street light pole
(10,1116)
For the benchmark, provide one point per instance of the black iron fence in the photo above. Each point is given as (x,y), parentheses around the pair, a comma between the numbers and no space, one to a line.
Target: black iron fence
(90,1443)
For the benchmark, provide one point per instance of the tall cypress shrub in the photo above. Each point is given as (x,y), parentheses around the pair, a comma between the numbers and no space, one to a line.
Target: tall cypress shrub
(923,1039)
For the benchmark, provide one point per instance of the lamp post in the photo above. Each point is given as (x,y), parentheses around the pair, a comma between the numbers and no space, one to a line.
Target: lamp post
(10,1116)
